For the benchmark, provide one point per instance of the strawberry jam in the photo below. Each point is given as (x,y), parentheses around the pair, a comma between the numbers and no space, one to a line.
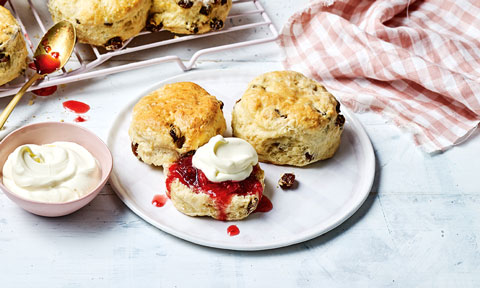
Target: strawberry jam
(46,64)
(47,91)
(76,106)
(233,230)
(221,192)
(159,200)
(265,205)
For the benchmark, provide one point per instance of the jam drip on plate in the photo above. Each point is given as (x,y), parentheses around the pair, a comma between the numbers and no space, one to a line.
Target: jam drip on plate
(159,200)
(233,230)
(221,192)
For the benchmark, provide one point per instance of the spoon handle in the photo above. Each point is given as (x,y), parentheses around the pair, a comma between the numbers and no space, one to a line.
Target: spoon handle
(16,98)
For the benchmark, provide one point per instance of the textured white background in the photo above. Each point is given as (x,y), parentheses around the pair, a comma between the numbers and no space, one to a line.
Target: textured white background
(419,227)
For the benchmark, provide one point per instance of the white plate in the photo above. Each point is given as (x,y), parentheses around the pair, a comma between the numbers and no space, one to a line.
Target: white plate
(328,193)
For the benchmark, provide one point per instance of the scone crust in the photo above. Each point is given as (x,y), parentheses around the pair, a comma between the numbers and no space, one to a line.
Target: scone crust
(13,50)
(97,22)
(173,120)
(191,203)
(288,118)
(188,16)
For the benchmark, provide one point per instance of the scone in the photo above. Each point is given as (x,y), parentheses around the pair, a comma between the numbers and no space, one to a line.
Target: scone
(222,179)
(13,51)
(289,119)
(188,16)
(102,23)
(173,120)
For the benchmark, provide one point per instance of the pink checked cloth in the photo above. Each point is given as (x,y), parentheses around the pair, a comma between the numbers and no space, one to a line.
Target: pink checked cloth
(415,62)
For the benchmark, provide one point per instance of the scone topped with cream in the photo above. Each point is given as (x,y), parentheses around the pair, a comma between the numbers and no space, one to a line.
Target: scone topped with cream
(13,51)
(174,120)
(289,119)
(188,16)
(106,23)
(222,180)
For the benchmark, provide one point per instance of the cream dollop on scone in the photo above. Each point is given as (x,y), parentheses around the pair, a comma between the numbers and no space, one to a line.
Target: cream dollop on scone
(289,119)
(13,51)
(102,22)
(173,120)
(188,16)
(222,180)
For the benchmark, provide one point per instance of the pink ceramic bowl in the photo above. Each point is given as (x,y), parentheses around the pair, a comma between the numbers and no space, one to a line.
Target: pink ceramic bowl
(48,132)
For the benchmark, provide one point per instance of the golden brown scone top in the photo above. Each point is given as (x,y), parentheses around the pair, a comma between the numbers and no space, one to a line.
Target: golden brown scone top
(8,26)
(286,98)
(98,11)
(183,112)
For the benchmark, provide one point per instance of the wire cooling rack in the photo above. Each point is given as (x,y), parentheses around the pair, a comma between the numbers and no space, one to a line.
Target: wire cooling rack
(247,24)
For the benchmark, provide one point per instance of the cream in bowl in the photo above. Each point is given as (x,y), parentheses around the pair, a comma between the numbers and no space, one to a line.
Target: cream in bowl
(53,168)
(56,172)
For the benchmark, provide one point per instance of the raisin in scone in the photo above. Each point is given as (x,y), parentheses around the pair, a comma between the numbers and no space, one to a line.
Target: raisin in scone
(13,51)
(188,16)
(173,120)
(222,182)
(289,119)
(102,22)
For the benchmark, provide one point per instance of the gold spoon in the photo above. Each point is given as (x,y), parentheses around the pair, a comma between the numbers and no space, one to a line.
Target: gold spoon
(52,54)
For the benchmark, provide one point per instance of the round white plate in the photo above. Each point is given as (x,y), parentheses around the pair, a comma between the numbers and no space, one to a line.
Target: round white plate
(328,192)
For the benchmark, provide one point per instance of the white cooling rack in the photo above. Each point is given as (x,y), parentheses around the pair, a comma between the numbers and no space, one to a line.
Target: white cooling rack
(90,61)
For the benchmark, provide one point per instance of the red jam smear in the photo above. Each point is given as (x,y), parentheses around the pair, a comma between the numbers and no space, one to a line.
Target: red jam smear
(221,192)
(76,106)
(46,63)
(159,200)
(80,119)
(32,66)
(47,91)
(233,230)
(265,205)
(2,2)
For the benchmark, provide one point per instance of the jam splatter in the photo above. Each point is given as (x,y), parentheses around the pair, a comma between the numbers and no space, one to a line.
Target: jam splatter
(221,192)
(265,205)
(80,119)
(47,91)
(76,106)
(159,200)
(233,230)
(32,66)
(46,63)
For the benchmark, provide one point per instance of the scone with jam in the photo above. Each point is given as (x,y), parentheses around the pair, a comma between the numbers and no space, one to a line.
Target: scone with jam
(222,180)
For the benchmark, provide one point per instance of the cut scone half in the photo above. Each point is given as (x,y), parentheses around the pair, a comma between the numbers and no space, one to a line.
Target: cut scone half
(193,194)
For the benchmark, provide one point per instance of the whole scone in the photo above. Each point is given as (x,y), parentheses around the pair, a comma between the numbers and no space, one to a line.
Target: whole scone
(13,51)
(173,120)
(187,199)
(188,16)
(289,119)
(102,22)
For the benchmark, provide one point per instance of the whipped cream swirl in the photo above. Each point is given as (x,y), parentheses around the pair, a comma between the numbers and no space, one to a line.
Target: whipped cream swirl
(57,172)
(223,159)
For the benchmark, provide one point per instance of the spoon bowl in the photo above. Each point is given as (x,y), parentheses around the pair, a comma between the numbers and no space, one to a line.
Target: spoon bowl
(52,53)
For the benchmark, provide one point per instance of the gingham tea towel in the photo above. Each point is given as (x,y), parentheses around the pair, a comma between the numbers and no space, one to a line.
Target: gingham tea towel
(415,62)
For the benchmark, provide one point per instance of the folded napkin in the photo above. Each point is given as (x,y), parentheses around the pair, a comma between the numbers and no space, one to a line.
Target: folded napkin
(415,62)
